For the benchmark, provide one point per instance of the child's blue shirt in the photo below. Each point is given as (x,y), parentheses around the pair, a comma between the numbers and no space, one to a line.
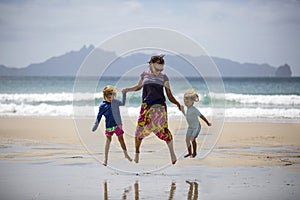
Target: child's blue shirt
(111,111)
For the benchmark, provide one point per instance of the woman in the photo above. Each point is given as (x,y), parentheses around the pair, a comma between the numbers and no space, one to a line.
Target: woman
(153,113)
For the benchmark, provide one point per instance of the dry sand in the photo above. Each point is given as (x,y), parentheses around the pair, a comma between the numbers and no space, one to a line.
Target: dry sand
(240,143)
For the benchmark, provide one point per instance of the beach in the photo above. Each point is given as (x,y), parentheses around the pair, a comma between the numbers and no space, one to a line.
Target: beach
(51,158)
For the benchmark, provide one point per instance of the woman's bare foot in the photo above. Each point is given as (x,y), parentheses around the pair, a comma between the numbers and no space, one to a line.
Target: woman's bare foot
(137,157)
(104,162)
(194,155)
(174,159)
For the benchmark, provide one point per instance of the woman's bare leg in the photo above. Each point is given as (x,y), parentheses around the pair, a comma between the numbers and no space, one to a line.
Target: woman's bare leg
(138,143)
(172,153)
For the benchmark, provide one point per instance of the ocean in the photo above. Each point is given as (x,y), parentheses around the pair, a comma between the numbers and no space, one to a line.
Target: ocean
(244,99)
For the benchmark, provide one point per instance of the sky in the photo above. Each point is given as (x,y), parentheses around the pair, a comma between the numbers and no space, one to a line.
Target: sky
(253,31)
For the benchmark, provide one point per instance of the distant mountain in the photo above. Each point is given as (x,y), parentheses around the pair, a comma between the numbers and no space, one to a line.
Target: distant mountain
(283,71)
(69,64)
(64,65)
(230,68)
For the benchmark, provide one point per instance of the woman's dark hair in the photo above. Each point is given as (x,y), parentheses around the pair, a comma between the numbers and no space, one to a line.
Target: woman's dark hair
(157,59)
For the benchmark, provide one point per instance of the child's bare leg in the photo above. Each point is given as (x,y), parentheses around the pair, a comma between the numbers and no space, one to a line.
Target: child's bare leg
(188,146)
(194,143)
(137,149)
(172,153)
(123,146)
(107,145)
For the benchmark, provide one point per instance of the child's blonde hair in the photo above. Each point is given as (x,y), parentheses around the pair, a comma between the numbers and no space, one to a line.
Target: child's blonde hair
(191,93)
(109,90)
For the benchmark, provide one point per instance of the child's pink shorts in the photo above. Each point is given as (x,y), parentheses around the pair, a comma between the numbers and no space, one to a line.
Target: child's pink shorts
(116,129)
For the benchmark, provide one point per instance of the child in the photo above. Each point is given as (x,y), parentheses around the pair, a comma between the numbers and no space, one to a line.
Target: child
(194,126)
(113,123)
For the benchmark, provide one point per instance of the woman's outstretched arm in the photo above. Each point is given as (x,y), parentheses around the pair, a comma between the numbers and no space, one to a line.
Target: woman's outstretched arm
(137,87)
(171,97)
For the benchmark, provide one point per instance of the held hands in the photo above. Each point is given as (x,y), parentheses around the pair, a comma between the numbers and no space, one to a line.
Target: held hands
(182,109)
(124,90)
(95,126)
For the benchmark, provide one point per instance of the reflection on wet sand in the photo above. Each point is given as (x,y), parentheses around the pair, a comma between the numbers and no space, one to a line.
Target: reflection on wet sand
(193,190)
(172,190)
(192,193)
(136,190)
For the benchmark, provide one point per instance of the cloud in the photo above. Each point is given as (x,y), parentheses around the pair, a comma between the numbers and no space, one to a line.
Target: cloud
(246,31)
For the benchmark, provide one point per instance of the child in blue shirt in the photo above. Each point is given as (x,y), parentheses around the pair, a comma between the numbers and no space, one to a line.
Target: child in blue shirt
(113,123)
(192,116)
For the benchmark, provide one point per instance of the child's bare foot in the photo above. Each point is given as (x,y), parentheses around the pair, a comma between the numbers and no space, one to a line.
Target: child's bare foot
(137,157)
(128,158)
(194,155)
(187,155)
